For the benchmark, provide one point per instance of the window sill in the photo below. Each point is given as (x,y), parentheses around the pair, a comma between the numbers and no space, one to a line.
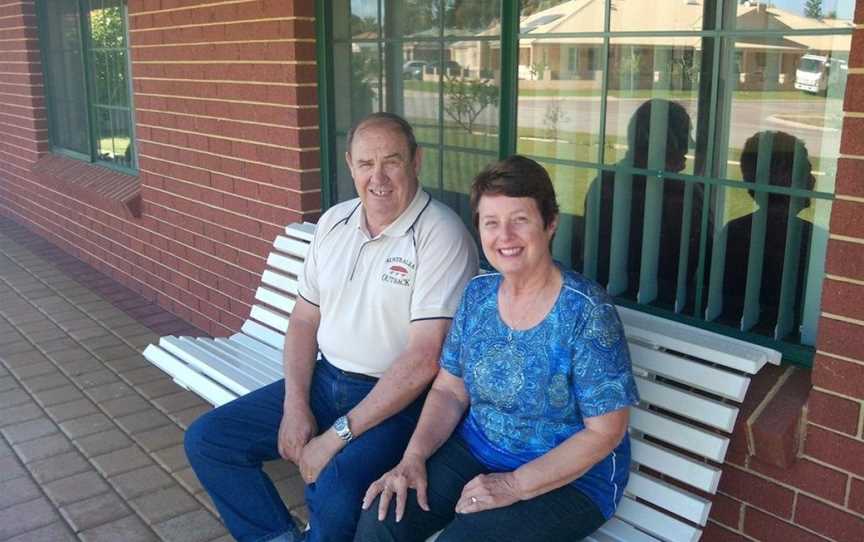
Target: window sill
(98,186)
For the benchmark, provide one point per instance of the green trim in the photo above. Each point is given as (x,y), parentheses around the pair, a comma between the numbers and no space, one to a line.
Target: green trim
(324,56)
(509,78)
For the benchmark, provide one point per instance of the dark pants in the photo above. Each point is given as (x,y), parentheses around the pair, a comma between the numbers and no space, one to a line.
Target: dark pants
(227,446)
(564,514)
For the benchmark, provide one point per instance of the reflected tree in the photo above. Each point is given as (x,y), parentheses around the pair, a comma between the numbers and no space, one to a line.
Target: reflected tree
(467,98)
(813,9)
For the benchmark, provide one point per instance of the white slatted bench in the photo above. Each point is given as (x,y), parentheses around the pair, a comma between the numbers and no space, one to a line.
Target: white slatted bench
(691,382)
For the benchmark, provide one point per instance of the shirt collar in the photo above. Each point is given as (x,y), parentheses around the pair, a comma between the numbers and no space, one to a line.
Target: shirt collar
(403,223)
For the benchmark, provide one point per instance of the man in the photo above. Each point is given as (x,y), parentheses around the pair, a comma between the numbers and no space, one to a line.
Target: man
(381,282)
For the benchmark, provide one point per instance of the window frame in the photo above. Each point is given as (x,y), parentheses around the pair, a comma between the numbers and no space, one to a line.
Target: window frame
(723,61)
(89,90)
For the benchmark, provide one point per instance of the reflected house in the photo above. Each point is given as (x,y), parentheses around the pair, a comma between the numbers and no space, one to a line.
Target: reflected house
(575,62)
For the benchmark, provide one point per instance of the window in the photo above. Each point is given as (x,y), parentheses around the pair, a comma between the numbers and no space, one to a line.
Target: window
(693,143)
(86,64)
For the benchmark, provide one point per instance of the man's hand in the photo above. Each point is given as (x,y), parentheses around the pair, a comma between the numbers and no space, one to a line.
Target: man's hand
(317,454)
(297,427)
(409,473)
(488,491)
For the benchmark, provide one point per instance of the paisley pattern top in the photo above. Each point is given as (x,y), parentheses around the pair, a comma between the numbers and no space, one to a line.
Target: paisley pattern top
(530,390)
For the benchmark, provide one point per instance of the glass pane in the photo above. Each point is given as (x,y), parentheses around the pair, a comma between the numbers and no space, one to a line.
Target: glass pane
(109,75)
(364,84)
(344,186)
(64,68)
(787,15)
(460,168)
(651,122)
(477,17)
(779,87)
(559,113)
(430,177)
(471,94)
(571,184)
(419,101)
(661,15)
(413,18)
(557,16)
(364,19)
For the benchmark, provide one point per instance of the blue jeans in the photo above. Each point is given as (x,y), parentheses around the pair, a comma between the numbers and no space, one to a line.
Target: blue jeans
(227,446)
(561,514)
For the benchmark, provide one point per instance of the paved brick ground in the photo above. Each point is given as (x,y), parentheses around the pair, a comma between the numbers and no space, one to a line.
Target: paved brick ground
(90,433)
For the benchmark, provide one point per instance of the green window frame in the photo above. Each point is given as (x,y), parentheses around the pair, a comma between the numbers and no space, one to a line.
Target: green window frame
(729,66)
(86,67)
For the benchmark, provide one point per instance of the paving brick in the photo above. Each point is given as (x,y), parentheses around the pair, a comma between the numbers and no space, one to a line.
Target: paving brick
(58,466)
(125,406)
(197,526)
(25,372)
(172,459)
(90,332)
(128,363)
(81,366)
(17,490)
(106,392)
(141,481)
(13,397)
(75,488)
(86,425)
(40,448)
(292,490)
(94,511)
(164,504)
(145,420)
(159,389)
(122,460)
(102,443)
(159,438)
(55,532)
(10,468)
(106,340)
(114,351)
(128,529)
(142,375)
(280,469)
(26,516)
(28,430)
(57,396)
(189,480)
(20,413)
(8,383)
(95,378)
(178,401)
(71,410)
(45,382)
(63,351)
(184,418)
(17,353)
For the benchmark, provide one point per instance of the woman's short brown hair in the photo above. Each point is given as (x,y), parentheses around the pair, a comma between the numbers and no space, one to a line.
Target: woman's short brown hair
(516,177)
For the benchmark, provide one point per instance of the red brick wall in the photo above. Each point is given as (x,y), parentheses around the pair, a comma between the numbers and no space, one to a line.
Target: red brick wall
(821,495)
(227,126)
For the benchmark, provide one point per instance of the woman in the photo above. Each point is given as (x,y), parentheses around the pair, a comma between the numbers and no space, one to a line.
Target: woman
(536,382)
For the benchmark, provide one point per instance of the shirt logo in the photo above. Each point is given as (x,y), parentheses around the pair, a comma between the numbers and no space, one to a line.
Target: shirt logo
(398,271)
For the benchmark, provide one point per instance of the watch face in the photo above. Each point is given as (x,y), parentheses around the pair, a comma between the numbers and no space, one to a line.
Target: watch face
(341,424)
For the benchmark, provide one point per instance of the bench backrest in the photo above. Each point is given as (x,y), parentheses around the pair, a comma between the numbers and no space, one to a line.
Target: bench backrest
(691,382)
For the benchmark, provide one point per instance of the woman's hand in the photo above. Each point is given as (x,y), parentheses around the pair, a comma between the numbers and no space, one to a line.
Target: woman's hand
(488,491)
(409,473)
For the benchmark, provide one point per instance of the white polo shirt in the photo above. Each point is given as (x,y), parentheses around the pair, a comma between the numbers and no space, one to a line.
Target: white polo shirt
(369,290)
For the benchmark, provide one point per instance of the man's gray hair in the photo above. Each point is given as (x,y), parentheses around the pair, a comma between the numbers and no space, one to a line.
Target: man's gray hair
(386,118)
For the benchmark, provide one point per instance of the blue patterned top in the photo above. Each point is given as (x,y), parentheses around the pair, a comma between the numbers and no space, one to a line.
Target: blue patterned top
(530,390)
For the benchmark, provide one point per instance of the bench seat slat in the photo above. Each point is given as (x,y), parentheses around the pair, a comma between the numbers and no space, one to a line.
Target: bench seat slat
(655,522)
(682,503)
(695,407)
(242,360)
(739,355)
(717,381)
(234,379)
(269,317)
(680,467)
(282,283)
(301,230)
(675,432)
(268,357)
(294,247)
(263,334)
(187,377)
(275,299)
(254,344)
(285,264)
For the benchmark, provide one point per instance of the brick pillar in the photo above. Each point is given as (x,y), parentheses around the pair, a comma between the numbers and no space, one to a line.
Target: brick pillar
(23,125)
(227,125)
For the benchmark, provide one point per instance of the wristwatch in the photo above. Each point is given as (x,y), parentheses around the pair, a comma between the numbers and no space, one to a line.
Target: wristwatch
(343,430)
